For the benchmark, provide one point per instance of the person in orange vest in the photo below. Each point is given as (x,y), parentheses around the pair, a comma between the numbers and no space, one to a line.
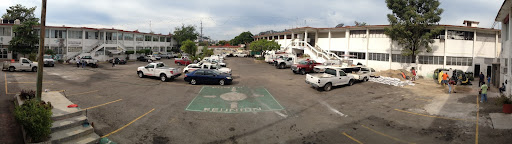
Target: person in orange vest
(445,78)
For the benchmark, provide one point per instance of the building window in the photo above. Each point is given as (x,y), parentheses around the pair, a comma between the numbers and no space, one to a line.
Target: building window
(460,35)
(75,35)
(358,55)
(434,60)
(505,31)
(485,37)
(128,37)
(155,38)
(459,61)
(58,33)
(401,59)
(147,38)
(139,37)
(377,34)
(5,31)
(358,34)
(162,39)
(3,53)
(91,35)
(378,56)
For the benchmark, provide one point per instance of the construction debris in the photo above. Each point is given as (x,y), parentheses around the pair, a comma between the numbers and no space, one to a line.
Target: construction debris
(391,81)
(395,74)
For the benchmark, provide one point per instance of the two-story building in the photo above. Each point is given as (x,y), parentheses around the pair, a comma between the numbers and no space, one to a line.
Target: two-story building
(506,54)
(101,43)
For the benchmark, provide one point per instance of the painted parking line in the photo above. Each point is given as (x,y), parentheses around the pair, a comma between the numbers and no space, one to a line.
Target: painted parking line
(431,115)
(383,134)
(352,138)
(83,93)
(113,132)
(30,82)
(6,92)
(103,104)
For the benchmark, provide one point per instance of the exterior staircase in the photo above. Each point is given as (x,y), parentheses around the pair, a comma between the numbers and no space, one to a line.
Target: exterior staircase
(316,53)
(68,123)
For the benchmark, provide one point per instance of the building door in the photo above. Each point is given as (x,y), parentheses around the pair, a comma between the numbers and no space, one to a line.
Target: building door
(477,70)
(495,80)
(489,71)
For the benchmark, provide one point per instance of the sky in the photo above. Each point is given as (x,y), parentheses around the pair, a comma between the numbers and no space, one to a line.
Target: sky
(225,19)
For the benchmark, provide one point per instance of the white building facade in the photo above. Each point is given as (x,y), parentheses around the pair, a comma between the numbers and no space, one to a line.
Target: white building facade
(506,54)
(102,44)
(467,48)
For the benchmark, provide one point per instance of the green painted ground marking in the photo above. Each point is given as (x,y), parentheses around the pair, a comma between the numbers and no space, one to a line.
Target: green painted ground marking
(233,100)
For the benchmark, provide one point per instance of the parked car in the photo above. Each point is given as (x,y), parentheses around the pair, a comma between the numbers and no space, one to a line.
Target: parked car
(331,77)
(158,70)
(182,61)
(283,63)
(168,55)
(89,61)
(207,76)
(240,55)
(151,58)
(142,58)
(191,68)
(23,64)
(358,72)
(48,61)
(117,61)
(156,56)
(304,66)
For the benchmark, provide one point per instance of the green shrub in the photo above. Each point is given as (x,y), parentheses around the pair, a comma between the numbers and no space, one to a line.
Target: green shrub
(129,52)
(27,94)
(503,100)
(35,117)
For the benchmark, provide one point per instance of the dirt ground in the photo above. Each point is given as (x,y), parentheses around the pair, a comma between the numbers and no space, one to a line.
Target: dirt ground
(366,112)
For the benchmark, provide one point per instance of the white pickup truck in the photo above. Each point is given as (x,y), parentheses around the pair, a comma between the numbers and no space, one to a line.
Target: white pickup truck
(22,65)
(331,77)
(158,70)
(359,72)
(48,60)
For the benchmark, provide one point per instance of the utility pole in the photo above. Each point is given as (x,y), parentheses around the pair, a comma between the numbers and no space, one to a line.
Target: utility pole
(150,29)
(40,63)
(201,39)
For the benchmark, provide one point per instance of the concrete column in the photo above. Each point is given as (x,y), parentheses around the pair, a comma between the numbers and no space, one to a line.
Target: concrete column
(367,45)
(117,37)
(496,47)
(67,34)
(316,37)
(444,51)
(473,51)
(347,37)
(83,39)
(49,38)
(285,40)
(329,36)
(306,36)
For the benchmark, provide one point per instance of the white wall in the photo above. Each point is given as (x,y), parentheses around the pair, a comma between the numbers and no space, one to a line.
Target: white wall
(357,45)
(461,48)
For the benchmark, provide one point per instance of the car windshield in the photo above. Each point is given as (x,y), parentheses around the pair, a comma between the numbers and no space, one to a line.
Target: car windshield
(330,71)
(86,57)
(48,57)
(303,62)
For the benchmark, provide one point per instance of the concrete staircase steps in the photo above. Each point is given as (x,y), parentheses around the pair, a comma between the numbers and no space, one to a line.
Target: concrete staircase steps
(71,112)
(68,123)
(88,139)
(71,134)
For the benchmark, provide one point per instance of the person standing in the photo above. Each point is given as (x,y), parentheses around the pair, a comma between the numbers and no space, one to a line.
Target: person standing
(114,62)
(483,88)
(489,80)
(83,63)
(413,71)
(440,76)
(77,62)
(445,78)
(481,79)
(450,85)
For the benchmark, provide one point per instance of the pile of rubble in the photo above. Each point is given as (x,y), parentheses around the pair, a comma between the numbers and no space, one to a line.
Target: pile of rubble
(394,74)
(391,81)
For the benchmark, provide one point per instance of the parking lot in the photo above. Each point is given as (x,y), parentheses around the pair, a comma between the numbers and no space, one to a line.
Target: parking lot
(263,105)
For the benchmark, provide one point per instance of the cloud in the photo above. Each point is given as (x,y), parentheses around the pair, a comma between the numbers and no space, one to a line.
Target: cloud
(224,19)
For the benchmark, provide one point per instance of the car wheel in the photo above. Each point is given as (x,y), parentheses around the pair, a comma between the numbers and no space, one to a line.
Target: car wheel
(365,79)
(53,65)
(163,78)
(193,82)
(179,63)
(302,72)
(459,83)
(221,82)
(141,75)
(282,66)
(11,69)
(186,71)
(34,69)
(351,82)
(328,87)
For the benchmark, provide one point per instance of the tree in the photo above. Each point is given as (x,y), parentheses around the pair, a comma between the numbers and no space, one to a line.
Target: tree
(340,25)
(243,38)
(189,47)
(207,52)
(183,33)
(204,43)
(264,45)
(413,24)
(356,23)
(25,40)
(20,12)
(223,42)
